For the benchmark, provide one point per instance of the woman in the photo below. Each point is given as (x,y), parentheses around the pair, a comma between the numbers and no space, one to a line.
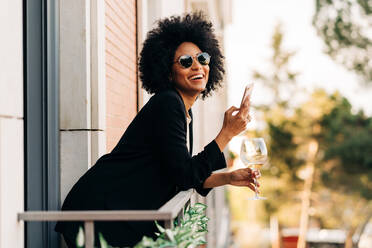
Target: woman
(180,61)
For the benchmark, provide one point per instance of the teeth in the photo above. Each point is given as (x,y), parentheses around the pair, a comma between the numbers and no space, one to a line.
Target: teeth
(197,77)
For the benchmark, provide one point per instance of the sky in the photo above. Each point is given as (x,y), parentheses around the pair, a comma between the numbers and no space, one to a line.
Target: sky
(247,47)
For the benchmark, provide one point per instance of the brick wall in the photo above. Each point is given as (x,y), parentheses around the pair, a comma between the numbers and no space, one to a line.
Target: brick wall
(121,69)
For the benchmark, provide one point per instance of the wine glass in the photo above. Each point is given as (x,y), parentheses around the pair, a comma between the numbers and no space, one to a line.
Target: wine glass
(253,153)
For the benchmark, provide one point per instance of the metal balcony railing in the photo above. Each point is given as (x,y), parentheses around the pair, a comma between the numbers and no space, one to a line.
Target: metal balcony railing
(174,208)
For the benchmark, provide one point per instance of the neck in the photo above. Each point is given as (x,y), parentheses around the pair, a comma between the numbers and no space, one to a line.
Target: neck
(188,100)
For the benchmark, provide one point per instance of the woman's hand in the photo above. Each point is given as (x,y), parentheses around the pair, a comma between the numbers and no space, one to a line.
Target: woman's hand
(244,177)
(233,124)
(240,177)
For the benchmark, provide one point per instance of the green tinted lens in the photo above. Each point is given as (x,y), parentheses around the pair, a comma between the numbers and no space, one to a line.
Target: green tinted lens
(185,61)
(204,58)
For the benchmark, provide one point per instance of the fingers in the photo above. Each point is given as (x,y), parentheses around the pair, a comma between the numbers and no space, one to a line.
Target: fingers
(247,175)
(244,184)
(235,124)
(231,110)
(253,174)
(257,174)
(248,178)
(244,110)
(244,114)
(241,122)
(251,186)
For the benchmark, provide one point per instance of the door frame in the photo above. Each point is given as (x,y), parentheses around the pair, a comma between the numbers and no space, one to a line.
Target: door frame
(41,112)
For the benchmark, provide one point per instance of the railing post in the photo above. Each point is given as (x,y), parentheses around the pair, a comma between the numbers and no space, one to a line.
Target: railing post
(89,234)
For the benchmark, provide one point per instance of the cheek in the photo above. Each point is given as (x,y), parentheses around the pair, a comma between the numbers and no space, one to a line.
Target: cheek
(179,74)
(175,74)
(182,74)
(206,71)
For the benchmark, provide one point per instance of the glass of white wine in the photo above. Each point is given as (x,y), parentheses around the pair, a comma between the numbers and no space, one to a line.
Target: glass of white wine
(253,153)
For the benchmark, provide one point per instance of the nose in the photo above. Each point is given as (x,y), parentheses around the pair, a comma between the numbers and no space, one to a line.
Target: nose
(196,66)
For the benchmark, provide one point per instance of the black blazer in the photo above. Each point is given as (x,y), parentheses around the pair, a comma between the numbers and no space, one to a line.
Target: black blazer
(149,165)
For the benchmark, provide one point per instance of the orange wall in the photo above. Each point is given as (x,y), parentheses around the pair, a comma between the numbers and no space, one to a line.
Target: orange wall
(121,69)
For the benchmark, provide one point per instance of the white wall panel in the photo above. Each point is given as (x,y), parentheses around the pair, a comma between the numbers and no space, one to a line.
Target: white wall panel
(11,182)
(11,58)
(11,124)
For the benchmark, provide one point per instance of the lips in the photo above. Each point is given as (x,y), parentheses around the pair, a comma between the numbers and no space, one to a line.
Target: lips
(197,76)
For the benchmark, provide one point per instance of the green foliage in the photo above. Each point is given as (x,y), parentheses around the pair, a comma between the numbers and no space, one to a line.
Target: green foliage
(103,242)
(343,164)
(344,26)
(188,233)
(343,161)
(347,140)
(80,240)
(291,132)
(287,133)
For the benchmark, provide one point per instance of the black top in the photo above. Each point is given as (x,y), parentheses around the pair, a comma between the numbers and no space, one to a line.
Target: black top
(149,166)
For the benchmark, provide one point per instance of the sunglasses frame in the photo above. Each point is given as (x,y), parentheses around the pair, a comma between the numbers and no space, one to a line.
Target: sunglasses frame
(193,59)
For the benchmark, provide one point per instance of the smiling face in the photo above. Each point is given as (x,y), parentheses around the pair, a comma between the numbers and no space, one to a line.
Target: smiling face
(190,81)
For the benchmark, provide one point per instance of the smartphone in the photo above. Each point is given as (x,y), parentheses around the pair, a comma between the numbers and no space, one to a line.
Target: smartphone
(247,94)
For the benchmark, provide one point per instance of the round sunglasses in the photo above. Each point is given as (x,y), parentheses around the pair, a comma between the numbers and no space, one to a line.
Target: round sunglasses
(186,60)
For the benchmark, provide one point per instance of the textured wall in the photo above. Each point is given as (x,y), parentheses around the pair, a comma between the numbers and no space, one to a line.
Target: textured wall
(121,69)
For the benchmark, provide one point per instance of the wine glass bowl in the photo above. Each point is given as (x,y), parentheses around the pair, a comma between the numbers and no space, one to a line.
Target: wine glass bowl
(253,154)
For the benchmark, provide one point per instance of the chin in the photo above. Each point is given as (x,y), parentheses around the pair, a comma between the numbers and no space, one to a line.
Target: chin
(193,88)
(200,86)
(199,89)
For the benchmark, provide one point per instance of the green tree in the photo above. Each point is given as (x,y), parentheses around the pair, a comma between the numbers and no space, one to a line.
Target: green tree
(347,140)
(291,144)
(294,151)
(318,152)
(339,170)
(345,26)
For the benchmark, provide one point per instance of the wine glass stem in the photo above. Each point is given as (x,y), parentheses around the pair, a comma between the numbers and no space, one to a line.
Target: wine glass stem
(255,186)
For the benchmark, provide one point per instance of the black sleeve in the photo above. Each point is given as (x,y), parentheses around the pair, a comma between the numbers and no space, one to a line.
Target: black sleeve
(185,170)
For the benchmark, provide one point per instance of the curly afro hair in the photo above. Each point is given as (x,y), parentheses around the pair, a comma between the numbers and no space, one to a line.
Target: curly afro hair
(158,51)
